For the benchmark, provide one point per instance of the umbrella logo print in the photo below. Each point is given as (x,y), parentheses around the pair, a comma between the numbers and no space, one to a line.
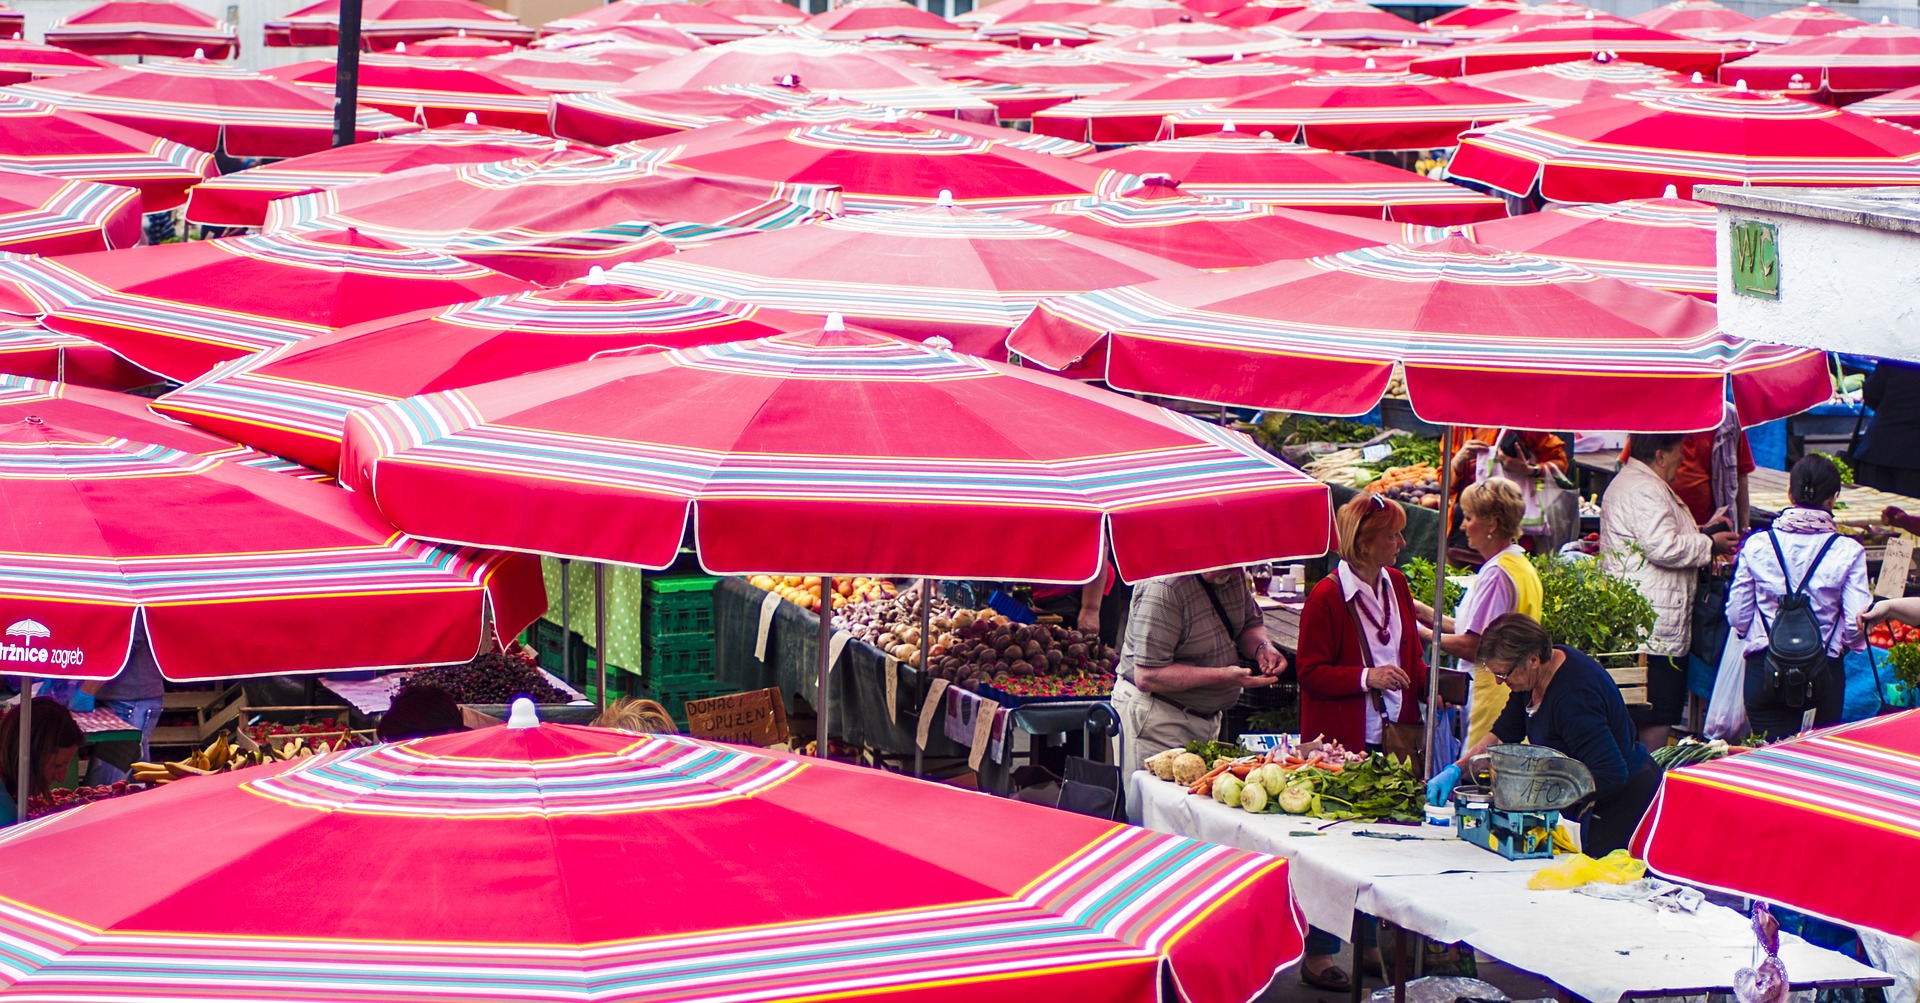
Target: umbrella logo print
(30,630)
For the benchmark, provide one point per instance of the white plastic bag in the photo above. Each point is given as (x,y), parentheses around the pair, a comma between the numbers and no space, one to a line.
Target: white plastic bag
(1727,712)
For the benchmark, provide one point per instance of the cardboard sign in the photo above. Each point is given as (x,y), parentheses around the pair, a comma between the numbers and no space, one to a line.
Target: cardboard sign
(1894,566)
(757,717)
(936,702)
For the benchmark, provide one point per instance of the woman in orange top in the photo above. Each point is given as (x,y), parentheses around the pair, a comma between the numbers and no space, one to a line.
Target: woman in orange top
(1525,455)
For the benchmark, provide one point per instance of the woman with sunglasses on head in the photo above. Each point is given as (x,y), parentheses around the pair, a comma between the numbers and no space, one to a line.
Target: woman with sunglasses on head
(1563,700)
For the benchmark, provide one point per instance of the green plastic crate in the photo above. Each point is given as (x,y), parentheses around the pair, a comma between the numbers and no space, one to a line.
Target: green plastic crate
(680,660)
(682,605)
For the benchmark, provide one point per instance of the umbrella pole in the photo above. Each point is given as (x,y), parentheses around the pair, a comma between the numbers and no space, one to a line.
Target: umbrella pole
(346,74)
(826,662)
(927,586)
(600,628)
(566,622)
(1439,599)
(60,364)
(25,772)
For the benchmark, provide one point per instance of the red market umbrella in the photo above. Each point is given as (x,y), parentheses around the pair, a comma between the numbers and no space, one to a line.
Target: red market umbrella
(240,198)
(386,23)
(294,401)
(1361,111)
(42,214)
(1693,18)
(967,276)
(209,106)
(1615,148)
(850,71)
(1201,232)
(21,61)
(1570,83)
(1538,14)
(145,28)
(654,32)
(1350,21)
(549,220)
(458,45)
(12,22)
(284,574)
(765,13)
(1259,12)
(612,117)
(1121,18)
(125,416)
(1238,165)
(1901,106)
(1547,344)
(1001,10)
(554,72)
(1577,38)
(701,22)
(433,92)
(1041,904)
(833,111)
(1473,15)
(606,460)
(1842,67)
(29,351)
(887,164)
(856,20)
(39,138)
(1028,23)
(1791,25)
(1855,786)
(1323,58)
(1666,243)
(1022,83)
(1202,40)
(181,309)
(1135,113)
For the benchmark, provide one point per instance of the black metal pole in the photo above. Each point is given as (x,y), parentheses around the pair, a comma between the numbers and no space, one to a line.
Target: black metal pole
(346,74)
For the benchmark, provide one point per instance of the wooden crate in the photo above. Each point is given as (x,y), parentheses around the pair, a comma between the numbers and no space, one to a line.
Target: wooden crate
(1632,680)
(211,710)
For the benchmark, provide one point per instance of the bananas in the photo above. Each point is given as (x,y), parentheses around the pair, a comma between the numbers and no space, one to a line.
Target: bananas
(218,757)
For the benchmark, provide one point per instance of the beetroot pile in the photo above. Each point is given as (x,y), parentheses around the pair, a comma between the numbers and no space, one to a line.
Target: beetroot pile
(976,648)
(60,799)
(490,679)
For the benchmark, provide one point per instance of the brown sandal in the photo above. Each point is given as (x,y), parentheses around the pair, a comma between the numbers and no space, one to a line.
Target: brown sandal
(1333,979)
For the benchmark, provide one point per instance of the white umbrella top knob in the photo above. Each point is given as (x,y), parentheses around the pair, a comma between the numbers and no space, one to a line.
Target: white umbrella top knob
(1672,192)
(471,119)
(523,715)
(945,199)
(834,322)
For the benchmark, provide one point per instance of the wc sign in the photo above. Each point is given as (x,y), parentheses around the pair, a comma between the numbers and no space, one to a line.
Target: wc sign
(28,643)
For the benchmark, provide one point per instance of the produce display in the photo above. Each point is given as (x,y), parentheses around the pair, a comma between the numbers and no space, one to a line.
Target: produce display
(1888,633)
(1689,751)
(976,648)
(1582,606)
(1409,473)
(60,799)
(1904,659)
(1418,484)
(218,757)
(804,590)
(492,678)
(1277,430)
(1322,780)
(319,736)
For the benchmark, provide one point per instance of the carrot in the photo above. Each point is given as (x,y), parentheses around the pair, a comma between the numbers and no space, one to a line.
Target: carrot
(1205,784)
(1240,771)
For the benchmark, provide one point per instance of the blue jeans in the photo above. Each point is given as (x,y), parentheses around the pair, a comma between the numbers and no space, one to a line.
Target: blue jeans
(142,714)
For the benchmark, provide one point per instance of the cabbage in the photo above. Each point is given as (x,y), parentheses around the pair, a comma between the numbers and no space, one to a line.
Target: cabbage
(1253,797)
(1226,789)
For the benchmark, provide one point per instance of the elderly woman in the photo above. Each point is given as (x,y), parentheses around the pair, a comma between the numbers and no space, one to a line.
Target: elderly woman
(1507,583)
(1802,552)
(1563,700)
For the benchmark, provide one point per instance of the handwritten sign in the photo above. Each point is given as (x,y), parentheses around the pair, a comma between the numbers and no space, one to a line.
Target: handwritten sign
(1894,566)
(757,717)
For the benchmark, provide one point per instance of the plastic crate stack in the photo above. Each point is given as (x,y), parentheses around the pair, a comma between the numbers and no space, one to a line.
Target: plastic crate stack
(678,660)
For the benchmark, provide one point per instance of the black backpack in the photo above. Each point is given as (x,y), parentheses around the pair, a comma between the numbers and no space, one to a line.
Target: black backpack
(1796,649)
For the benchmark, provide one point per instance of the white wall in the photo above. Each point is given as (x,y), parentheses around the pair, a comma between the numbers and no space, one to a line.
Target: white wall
(250,15)
(1843,287)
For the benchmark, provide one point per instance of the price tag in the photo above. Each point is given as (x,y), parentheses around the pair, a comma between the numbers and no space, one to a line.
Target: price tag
(891,668)
(1806,721)
(1376,452)
(1894,567)
(982,732)
(936,701)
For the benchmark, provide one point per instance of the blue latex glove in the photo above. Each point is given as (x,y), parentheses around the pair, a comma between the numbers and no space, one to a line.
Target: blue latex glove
(81,701)
(1440,788)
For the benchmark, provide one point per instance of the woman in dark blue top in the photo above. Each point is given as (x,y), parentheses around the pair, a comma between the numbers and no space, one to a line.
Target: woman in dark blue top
(1563,700)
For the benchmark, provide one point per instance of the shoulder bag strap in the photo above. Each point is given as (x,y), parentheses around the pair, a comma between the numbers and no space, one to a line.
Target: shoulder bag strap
(1225,621)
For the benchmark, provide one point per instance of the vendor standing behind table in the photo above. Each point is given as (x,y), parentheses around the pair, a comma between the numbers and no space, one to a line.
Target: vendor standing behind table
(1360,661)
(1180,668)
(1889,455)
(134,696)
(1507,583)
(1833,569)
(54,741)
(1648,537)
(1563,700)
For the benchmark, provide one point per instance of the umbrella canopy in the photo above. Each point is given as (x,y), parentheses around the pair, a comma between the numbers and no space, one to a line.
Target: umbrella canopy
(1002,10)
(547,220)
(1202,40)
(12,22)
(1121,18)
(888,164)
(1693,18)
(1259,12)
(1538,14)
(1361,111)
(1238,165)
(181,309)
(293,401)
(1577,38)
(1901,106)
(1037,24)
(850,71)
(1044,904)
(1022,83)
(1666,243)
(125,416)
(1466,17)
(1790,25)
(829,111)
(39,138)
(1855,786)
(234,571)
(1565,84)
(145,28)
(1323,58)
(654,33)
(765,13)
(1549,345)
(613,117)
(555,72)
(701,22)
(921,442)
(31,352)
(209,106)
(1614,148)
(1351,22)
(1134,113)
(892,19)
(458,45)
(1844,66)
(240,198)
(432,92)
(1202,232)
(386,23)
(21,61)
(42,214)
(966,276)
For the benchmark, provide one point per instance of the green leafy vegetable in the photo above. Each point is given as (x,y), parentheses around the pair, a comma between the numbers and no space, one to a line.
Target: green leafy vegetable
(1583,607)
(1211,751)
(1905,660)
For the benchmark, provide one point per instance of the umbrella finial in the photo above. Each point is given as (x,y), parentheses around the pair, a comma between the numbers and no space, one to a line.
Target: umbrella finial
(1697,78)
(1370,64)
(400,47)
(1227,127)
(462,33)
(1884,19)
(1590,15)
(559,146)
(523,715)
(945,199)
(938,344)
(1237,57)
(471,119)
(597,276)
(835,322)
(199,53)
(1266,134)
(1740,84)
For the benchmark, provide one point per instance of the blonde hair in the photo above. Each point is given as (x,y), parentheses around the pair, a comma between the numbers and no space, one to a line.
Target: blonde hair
(1498,501)
(641,717)
(1374,513)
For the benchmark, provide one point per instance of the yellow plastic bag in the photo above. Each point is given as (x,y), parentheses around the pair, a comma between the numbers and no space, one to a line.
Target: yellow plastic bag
(1574,870)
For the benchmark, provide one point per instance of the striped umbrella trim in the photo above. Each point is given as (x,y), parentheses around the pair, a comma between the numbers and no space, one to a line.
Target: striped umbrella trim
(954,305)
(1876,107)
(1838,772)
(532,104)
(30,337)
(1536,143)
(76,207)
(317,116)
(1128,213)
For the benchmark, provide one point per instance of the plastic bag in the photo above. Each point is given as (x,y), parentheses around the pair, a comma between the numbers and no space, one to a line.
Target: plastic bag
(1727,711)
(1574,870)
(1442,989)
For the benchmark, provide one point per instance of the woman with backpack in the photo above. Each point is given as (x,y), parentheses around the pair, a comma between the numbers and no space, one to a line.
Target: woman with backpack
(1796,601)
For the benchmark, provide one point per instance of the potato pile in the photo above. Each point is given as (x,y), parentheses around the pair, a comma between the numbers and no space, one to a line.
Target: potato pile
(971,647)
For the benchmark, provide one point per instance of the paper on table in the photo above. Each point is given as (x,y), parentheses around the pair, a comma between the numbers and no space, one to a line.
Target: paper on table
(768,606)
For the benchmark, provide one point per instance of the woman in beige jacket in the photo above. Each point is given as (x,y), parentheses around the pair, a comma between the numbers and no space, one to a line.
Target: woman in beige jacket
(1648,537)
